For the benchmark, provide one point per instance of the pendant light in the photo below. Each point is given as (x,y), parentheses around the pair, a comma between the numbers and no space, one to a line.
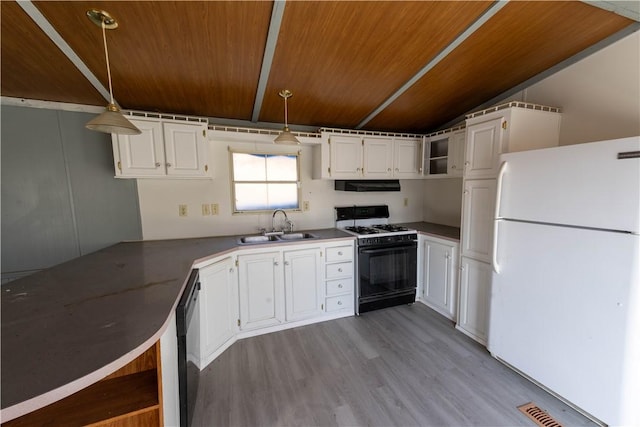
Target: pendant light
(112,120)
(286,137)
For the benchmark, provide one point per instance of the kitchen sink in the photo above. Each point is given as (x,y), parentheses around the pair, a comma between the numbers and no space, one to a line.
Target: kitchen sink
(257,239)
(297,236)
(248,240)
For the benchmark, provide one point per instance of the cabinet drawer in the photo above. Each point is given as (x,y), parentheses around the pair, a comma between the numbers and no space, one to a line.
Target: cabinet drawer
(341,253)
(340,286)
(340,303)
(342,269)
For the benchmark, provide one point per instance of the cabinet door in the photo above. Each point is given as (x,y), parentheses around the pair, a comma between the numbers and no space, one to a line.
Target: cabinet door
(185,149)
(303,283)
(475,294)
(378,158)
(261,290)
(439,277)
(218,306)
(455,164)
(477,218)
(484,143)
(140,155)
(346,157)
(407,158)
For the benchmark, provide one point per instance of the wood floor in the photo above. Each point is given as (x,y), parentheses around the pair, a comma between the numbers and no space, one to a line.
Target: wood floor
(401,366)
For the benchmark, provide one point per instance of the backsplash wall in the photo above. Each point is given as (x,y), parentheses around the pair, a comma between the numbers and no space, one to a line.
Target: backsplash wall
(159,200)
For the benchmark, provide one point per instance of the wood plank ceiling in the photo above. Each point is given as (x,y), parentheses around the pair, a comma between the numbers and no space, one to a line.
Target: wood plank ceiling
(342,60)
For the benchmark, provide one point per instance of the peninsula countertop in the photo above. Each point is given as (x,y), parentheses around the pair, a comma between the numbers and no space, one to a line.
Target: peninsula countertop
(68,326)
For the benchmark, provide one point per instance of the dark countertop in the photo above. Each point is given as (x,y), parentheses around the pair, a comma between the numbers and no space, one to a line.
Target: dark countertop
(69,326)
(436,230)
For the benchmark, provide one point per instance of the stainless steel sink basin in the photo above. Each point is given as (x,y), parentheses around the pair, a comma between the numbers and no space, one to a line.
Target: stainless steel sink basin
(297,236)
(250,240)
(258,239)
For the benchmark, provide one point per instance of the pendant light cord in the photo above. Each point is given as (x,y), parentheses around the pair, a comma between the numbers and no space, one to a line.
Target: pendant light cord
(106,55)
(286,125)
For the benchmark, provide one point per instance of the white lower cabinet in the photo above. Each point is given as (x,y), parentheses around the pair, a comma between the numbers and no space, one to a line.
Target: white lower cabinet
(261,290)
(339,279)
(475,295)
(255,291)
(303,283)
(439,275)
(218,307)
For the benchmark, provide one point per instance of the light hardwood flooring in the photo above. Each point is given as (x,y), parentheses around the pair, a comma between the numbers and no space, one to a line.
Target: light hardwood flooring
(401,366)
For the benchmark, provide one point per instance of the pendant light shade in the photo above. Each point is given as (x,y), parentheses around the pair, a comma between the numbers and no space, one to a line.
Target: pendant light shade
(286,137)
(112,120)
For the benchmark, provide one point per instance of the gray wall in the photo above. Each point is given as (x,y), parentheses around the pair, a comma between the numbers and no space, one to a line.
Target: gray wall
(59,197)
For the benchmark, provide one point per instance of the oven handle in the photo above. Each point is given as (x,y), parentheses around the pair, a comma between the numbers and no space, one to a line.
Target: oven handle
(388,248)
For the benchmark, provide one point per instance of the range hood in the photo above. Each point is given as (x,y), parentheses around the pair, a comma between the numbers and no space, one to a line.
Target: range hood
(368,185)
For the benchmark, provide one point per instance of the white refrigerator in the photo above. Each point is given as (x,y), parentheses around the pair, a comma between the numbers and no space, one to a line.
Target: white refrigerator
(565,296)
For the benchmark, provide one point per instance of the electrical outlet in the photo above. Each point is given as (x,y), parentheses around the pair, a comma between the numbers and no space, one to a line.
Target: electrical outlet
(182,210)
(206,209)
(214,209)
(406,201)
(305,205)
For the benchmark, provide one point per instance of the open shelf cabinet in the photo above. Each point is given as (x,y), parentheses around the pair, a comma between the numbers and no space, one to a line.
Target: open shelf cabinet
(131,396)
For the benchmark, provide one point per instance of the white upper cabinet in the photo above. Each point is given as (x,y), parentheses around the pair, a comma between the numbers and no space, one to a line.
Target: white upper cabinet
(377,158)
(341,156)
(346,157)
(444,153)
(484,145)
(165,148)
(516,127)
(407,155)
(185,149)
(455,165)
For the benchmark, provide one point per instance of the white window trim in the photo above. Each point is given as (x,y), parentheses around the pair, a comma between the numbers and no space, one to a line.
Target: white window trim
(297,154)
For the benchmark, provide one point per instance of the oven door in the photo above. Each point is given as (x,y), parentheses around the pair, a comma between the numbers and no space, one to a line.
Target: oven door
(384,271)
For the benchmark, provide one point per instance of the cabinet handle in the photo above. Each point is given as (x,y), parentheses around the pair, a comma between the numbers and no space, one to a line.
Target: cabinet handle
(466,163)
(340,270)
(389,169)
(276,263)
(340,285)
(286,263)
(340,253)
(453,166)
(397,170)
(357,169)
(339,302)
(168,165)
(231,270)
(157,164)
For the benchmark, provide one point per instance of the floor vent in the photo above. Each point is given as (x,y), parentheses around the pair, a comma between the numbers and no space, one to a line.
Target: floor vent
(538,416)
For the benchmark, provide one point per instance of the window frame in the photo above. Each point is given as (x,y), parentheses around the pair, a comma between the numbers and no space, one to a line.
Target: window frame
(298,182)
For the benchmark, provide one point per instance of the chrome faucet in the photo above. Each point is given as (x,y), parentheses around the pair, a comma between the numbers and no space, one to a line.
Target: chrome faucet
(286,220)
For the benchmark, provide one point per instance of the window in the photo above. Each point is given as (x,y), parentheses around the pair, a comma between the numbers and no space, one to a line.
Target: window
(264,182)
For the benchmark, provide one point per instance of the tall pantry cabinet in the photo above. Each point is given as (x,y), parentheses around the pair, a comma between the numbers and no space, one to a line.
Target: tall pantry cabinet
(511,127)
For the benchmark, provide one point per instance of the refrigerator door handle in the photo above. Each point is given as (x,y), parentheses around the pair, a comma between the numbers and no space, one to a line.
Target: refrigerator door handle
(501,172)
(494,252)
(496,221)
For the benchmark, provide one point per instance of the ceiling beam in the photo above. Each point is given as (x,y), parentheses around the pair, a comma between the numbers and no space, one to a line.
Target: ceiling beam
(495,8)
(35,14)
(272,39)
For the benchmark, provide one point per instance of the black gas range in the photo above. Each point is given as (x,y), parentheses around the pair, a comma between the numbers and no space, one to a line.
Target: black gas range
(387,257)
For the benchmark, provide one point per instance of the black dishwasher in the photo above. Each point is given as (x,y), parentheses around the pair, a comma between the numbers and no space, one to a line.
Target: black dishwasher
(188,330)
